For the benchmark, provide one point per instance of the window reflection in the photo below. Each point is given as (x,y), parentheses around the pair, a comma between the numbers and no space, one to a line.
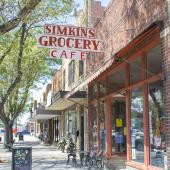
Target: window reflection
(102,126)
(118,126)
(137,134)
(157,135)
(94,126)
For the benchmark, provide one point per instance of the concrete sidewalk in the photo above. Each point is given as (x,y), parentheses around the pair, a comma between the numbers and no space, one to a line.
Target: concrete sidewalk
(43,158)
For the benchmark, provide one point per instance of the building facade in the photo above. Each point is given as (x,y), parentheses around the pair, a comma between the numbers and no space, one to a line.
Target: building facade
(128,85)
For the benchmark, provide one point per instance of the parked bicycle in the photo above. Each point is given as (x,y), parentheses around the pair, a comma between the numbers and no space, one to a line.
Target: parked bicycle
(62,144)
(71,150)
(92,159)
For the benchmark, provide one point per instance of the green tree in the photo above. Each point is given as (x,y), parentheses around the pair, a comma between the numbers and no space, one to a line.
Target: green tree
(12,13)
(21,62)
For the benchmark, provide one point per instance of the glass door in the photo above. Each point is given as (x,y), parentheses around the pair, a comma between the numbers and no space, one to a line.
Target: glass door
(118,126)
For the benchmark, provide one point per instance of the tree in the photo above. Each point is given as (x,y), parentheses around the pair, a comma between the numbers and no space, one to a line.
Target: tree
(34,66)
(11,23)
(19,52)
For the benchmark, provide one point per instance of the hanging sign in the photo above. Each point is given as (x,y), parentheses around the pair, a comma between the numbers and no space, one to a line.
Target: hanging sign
(69,42)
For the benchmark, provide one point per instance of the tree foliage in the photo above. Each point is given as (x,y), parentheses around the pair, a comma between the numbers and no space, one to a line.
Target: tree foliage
(21,62)
(12,13)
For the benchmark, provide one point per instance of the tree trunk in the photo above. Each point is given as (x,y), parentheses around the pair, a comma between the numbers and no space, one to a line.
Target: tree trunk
(8,133)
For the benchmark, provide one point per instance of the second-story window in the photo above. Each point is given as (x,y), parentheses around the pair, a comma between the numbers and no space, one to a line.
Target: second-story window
(81,68)
(64,77)
(71,71)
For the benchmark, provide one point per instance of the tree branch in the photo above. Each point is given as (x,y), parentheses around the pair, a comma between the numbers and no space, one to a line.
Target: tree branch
(19,72)
(24,12)
(5,53)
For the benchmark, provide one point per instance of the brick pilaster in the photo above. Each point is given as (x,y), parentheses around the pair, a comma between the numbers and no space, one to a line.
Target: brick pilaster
(165,44)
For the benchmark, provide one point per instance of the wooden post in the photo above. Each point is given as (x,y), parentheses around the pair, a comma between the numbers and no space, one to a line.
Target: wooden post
(108,127)
(98,117)
(89,117)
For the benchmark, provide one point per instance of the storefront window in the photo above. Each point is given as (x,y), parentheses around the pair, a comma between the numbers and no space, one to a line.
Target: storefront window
(137,133)
(94,91)
(154,61)
(102,126)
(102,90)
(157,135)
(117,81)
(118,126)
(94,126)
(72,124)
(135,71)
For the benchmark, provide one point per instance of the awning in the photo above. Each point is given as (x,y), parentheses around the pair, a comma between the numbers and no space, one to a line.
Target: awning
(91,77)
(42,114)
(58,102)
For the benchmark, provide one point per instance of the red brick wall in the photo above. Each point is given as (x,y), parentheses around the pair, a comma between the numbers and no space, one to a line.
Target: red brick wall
(123,21)
(97,11)
(165,40)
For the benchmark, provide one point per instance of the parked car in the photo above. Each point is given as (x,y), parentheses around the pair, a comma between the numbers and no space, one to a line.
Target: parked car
(24,132)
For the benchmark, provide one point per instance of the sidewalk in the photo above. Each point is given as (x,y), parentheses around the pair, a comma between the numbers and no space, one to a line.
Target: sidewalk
(43,157)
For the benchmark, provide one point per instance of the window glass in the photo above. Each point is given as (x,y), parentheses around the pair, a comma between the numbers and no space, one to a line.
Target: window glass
(117,80)
(102,126)
(81,68)
(72,124)
(64,75)
(118,126)
(102,90)
(154,61)
(137,133)
(94,91)
(113,125)
(157,135)
(94,125)
(71,71)
(135,71)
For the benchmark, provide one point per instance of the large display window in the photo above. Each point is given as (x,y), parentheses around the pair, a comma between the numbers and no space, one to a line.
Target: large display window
(118,126)
(94,126)
(157,132)
(102,126)
(137,133)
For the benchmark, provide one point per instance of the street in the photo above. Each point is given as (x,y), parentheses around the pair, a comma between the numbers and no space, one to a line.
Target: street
(43,157)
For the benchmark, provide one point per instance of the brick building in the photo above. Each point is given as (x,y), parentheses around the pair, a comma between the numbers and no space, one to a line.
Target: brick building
(128,85)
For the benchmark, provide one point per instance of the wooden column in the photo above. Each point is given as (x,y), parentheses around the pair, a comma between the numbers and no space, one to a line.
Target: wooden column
(108,127)
(89,117)
(145,112)
(50,131)
(98,117)
(128,112)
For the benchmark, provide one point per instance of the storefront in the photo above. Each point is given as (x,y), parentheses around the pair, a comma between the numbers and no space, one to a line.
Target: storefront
(125,104)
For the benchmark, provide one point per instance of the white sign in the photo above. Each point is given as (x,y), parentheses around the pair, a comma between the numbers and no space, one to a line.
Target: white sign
(67,54)
(69,42)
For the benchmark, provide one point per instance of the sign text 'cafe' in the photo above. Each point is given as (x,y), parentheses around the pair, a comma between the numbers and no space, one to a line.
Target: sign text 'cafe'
(69,42)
